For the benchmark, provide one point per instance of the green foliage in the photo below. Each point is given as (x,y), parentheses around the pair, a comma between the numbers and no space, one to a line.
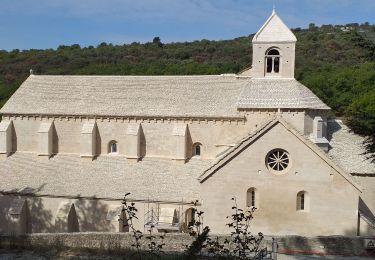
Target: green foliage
(340,86)
(131,214)
(155,247)
(362,119)
(198,244)
(245,243)
(335,62)
(241,244)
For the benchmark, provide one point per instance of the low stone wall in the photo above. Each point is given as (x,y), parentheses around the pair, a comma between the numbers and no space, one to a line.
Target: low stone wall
(176,243)
(93,240)
(328,245)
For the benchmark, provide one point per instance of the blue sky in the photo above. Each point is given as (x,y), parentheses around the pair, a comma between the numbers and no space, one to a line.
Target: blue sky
(41,24)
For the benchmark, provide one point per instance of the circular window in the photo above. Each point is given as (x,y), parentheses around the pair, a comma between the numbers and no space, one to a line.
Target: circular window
(278,160)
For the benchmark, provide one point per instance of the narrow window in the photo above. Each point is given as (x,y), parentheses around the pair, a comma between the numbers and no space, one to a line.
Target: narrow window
(302,201)
(251,200)
(269,65)
(276,66)
(112,147)
(197,149)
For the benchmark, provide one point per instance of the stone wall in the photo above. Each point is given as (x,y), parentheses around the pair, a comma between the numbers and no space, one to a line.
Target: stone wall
(276,191)
(324,245)
(215,135)
(176,243)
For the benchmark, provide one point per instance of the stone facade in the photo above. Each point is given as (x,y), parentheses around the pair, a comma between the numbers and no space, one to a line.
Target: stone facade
(72,146)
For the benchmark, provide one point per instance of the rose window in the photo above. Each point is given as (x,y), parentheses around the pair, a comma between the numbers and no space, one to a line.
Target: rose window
(278,160)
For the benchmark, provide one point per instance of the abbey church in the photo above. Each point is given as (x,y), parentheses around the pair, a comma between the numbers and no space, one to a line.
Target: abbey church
(72,146)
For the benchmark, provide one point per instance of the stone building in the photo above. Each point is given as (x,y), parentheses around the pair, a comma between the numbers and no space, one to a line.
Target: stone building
(72,146)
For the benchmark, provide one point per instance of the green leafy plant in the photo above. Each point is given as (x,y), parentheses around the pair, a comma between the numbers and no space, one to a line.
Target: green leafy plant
(241,244)
(245,244)
(130,214)
(197,231)
(155,247)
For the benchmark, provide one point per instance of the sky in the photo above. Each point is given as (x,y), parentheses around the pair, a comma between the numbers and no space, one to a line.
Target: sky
(42,24)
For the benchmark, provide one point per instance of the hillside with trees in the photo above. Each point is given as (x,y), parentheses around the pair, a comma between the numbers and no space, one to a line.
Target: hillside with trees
(336,62)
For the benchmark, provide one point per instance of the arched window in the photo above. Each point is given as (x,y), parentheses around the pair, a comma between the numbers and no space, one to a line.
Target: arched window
(302,201)
(112,147)
(273,61)
(189,218)
(251,198)
(197,149)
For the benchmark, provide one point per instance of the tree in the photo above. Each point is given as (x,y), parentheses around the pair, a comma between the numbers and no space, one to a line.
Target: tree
(362,120)
(157,41)
(312,27)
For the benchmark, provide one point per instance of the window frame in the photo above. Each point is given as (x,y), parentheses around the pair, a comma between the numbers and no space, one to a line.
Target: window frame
(194,152)
(269,69)
(252,199)
(303,201)
(110,146)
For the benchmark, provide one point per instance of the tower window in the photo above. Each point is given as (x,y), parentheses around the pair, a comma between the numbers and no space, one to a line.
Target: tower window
(272,61)
(112,147)
(276,64)
(197,147)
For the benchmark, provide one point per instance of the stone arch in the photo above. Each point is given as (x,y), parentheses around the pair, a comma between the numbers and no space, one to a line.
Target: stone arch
(73,225)
(272,61)
(189,217)
(19,217)
(66,219)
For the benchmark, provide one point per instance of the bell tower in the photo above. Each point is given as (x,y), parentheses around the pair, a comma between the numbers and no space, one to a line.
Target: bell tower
(274,48)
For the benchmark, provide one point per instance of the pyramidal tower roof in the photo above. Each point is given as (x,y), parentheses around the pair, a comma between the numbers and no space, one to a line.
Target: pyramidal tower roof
(274,30)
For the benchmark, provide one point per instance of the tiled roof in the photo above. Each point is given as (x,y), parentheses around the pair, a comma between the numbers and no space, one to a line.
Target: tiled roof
(174,96)
(278,93)
(105,177)
(347,149)
(156,96)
